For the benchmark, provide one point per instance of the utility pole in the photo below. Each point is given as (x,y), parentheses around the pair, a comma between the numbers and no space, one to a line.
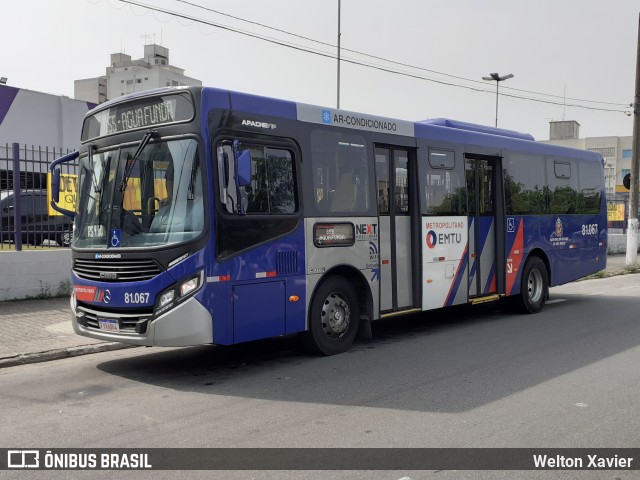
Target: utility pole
(339,34)
(632,230)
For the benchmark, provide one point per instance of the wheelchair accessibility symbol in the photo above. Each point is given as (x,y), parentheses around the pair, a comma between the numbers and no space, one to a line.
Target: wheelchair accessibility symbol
(511,224)
(116,238)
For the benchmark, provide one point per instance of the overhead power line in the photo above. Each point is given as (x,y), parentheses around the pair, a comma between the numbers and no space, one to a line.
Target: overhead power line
(366,64)
(375,57)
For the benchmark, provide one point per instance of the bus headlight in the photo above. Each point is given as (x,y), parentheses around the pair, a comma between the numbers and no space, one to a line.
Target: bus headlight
(166,298)
(189,286)
(178,292)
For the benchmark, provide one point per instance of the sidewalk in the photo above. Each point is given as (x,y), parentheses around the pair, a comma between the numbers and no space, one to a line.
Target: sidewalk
(40,330)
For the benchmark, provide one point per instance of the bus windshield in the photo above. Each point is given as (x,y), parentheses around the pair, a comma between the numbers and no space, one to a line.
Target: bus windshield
(149,199)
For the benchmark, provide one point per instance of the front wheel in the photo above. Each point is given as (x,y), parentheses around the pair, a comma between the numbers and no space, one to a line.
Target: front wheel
(534,288)
(333,318)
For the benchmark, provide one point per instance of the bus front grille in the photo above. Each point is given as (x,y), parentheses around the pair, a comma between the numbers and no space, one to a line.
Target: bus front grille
(115,270)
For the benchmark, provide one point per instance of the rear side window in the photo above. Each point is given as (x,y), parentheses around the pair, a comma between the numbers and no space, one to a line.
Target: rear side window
(525,185)
(563,187)
(591,178)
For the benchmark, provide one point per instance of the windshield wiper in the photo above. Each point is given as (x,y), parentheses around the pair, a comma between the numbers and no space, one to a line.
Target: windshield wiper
(132,161)
(98,186)
(91,148)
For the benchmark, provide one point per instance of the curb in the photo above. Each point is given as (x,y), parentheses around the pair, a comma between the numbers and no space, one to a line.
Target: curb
(37,357)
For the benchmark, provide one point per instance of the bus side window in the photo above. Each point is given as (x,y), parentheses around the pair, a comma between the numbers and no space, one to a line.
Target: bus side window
(562,177)
(340,172)
(591,188)
(272,188)
(525,185)
(443,189)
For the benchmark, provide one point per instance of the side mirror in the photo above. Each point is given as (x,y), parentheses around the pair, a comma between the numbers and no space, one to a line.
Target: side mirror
(55,186)
(223,173)
(244,168)
(55,182)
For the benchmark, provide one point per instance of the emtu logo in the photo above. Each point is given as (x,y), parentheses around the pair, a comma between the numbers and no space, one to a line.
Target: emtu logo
(432,239)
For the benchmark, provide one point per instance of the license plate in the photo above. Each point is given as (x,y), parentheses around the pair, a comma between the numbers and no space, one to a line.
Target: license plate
(108,324)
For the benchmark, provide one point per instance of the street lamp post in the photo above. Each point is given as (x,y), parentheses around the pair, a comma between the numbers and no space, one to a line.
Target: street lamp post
(494,77)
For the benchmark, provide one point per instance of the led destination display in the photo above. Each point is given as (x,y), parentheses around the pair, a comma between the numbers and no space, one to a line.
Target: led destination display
(137,114)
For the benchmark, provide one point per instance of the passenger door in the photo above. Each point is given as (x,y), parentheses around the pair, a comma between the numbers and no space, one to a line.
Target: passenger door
(396,212)
(485,225)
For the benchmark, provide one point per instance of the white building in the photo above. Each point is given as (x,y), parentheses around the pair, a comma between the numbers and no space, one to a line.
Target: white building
(616,151)
(125,75)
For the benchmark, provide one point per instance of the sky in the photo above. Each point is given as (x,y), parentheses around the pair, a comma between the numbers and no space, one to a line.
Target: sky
(562,53)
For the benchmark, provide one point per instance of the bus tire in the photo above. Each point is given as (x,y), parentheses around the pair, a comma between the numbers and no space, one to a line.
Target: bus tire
(333,317)
(534,288)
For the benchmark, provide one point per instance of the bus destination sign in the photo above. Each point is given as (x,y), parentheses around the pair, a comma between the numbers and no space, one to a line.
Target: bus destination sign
(138,114)
(333,234)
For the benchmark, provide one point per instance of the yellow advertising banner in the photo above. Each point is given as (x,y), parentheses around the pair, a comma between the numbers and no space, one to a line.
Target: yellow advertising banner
(615,212)
(132,194)
(68,192)
(131,200)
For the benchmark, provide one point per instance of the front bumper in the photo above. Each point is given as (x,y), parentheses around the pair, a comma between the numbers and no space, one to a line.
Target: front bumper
(187,324)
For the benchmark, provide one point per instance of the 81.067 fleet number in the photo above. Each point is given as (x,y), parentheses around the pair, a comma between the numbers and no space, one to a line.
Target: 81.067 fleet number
(136,297)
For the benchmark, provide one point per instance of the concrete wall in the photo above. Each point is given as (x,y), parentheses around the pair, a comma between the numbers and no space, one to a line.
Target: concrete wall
(34,273)
(618,243)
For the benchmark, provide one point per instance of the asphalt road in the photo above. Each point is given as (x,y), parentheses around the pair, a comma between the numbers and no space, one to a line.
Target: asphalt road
(468,377)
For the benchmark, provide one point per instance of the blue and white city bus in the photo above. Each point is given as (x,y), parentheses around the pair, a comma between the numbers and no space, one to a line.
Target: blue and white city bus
(207,216)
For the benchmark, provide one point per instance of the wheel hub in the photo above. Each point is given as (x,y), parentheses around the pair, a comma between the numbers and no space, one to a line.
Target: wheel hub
(534,285)
(336,315)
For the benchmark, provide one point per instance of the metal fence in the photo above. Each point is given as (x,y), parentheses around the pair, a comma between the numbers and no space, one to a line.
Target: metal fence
(27,219)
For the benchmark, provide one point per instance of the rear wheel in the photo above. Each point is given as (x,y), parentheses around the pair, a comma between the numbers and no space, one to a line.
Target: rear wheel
(534,288)
(333,319)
